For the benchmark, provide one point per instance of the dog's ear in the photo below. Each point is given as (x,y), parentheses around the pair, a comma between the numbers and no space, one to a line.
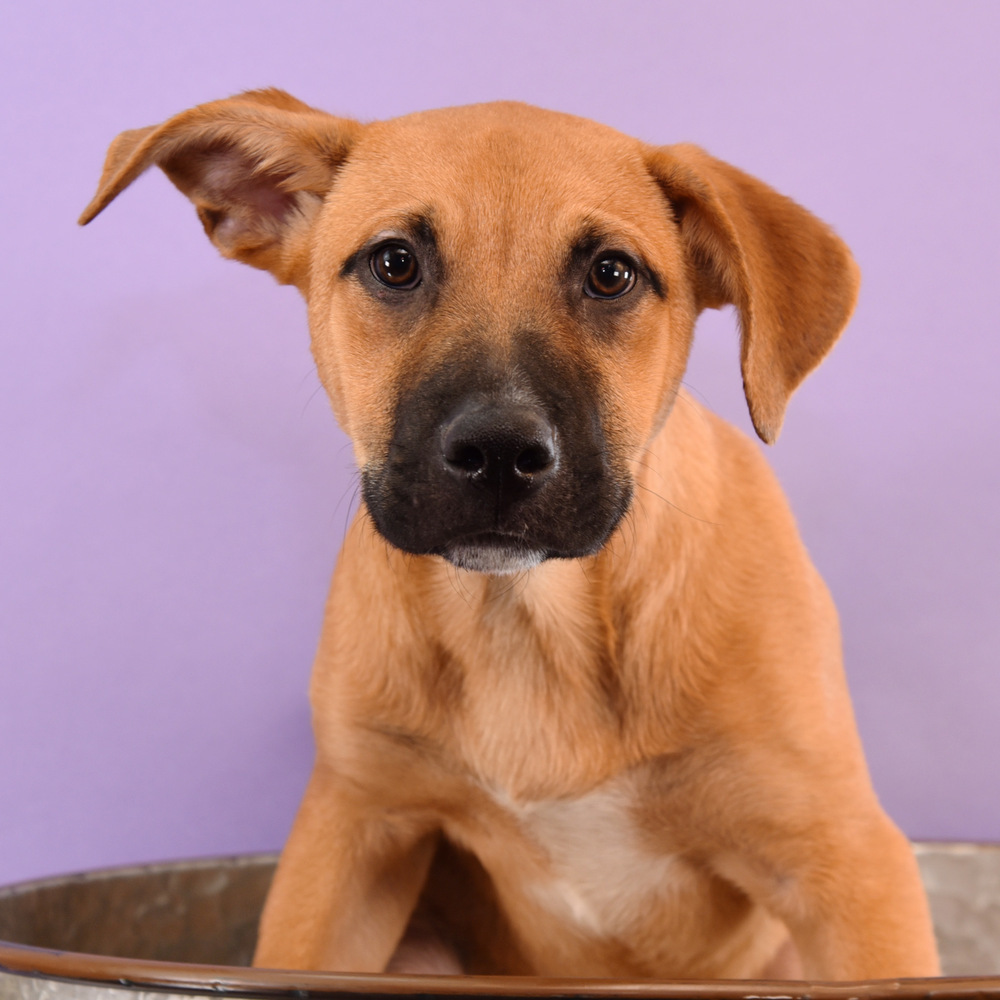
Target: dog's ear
(256,167)
(792,280)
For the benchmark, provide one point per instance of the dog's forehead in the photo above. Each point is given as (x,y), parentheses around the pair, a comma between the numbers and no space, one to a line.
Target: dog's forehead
(502,162)
(501,133)
(492,128)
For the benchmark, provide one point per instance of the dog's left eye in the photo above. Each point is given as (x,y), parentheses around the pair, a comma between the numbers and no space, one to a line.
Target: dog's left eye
(396,265)
(609,278)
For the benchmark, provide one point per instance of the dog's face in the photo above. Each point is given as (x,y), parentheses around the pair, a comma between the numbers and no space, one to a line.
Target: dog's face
(498,310)
(501,298)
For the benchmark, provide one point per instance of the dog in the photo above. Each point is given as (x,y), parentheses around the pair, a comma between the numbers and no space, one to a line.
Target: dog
(578,701)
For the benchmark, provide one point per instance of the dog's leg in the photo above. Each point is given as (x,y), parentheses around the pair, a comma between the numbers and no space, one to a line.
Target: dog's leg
(861,911)
(345,888)
(847,888)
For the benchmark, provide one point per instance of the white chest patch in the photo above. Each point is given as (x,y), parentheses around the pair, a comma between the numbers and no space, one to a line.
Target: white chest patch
(602,877)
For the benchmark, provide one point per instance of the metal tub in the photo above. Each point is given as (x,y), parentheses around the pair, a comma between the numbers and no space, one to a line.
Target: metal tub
(187,929)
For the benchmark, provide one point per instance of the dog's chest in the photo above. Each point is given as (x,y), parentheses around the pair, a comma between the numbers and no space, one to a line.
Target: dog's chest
(586,861)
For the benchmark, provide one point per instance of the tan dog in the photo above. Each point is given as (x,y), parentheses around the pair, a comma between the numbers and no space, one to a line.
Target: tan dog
(584,714)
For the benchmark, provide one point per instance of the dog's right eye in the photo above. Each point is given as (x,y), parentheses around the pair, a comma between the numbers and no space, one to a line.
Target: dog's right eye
(396,265)
(610,278)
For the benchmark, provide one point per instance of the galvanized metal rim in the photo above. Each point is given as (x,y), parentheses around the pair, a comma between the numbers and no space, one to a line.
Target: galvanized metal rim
(233,981)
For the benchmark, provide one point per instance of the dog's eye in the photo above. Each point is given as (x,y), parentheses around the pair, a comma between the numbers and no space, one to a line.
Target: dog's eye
(395,265)
(609,278)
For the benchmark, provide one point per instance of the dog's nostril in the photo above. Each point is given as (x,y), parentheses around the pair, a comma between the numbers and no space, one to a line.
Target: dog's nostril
(467,457)
(534,459)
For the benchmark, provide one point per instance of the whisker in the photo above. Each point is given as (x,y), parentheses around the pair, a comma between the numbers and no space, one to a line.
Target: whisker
(630,521)
(645,465)
(456,581)
(680,510)
(354,490)
(309,399)
(694,392)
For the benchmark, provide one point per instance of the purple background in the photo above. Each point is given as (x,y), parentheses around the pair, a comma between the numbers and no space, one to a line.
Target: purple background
(173,488)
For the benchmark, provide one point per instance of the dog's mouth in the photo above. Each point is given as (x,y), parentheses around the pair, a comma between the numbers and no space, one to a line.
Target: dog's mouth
(493,552)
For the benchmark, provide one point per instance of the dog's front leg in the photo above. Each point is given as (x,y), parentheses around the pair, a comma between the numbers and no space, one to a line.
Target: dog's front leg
(848,889)
(346,885)
(860,911)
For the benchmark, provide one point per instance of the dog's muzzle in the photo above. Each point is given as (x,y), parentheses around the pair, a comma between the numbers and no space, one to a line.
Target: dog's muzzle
(508,477)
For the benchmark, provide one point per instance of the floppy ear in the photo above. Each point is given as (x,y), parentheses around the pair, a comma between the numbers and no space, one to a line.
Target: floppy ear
(256,166)
(792,280)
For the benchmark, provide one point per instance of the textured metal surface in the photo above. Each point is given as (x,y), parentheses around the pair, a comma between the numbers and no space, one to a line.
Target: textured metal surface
(203,914)
(963,884)
(31,988)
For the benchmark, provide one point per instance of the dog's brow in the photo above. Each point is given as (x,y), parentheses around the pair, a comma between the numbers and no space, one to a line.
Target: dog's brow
(414,226)
(595,236)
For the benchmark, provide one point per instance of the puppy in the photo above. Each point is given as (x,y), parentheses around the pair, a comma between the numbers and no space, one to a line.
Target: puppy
(579,705)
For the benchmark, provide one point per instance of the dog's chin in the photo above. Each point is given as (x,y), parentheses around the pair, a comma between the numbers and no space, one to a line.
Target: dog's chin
(495,558)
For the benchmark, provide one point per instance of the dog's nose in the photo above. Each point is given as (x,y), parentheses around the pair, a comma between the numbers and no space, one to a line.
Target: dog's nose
(511,447)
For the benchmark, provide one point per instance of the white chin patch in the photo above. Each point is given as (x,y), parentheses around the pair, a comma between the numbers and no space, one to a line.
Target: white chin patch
(496,560)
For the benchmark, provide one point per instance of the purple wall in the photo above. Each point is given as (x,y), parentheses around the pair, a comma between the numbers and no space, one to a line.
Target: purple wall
(173,488)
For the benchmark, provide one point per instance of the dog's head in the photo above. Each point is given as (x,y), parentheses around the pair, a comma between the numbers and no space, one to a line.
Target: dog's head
(501,298)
